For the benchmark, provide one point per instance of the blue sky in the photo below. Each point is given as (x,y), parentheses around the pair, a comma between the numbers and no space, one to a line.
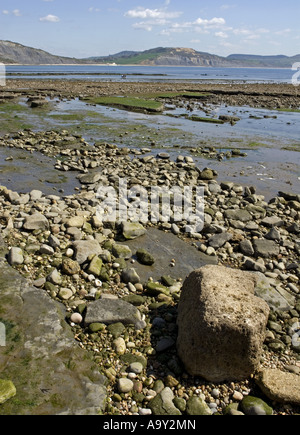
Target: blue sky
(101,27)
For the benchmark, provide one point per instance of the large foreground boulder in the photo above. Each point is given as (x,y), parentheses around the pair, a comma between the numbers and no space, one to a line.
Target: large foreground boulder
(221,324)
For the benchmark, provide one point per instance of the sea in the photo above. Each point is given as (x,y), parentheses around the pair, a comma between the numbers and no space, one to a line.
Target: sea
(151,73)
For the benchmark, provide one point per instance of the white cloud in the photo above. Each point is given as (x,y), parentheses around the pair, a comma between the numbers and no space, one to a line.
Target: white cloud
(283,32)
(222,35)
(146,13)
(214,22)
(200,25)
(143,25)
(50,19)
(15,12)
(92,9)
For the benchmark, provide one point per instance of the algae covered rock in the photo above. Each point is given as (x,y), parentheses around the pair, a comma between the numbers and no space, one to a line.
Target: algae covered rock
(162,404)
(132,230)
(197,406)
(7,390)
(145,257)
(255,406)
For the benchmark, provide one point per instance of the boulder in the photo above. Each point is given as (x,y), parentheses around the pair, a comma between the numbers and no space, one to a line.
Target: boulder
(221,324)
(75,222)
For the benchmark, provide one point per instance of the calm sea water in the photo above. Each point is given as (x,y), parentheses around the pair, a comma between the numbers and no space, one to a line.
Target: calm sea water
(150,73)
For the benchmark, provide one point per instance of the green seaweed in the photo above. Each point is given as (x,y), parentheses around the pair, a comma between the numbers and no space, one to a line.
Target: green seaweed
(129,103)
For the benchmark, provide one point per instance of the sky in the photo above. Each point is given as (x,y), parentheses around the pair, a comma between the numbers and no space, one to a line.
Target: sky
(84,28)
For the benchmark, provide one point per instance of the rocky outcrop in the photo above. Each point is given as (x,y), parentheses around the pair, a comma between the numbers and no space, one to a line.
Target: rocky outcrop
(221,324)
(51,373)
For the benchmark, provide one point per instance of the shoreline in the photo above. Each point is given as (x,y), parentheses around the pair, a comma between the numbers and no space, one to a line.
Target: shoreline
(150,66)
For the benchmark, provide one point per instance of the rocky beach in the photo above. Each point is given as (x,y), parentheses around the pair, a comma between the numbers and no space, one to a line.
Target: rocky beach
(144,318)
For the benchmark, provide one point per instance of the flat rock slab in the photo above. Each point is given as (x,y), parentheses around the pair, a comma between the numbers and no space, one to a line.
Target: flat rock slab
(277,301)
(164,247)
(110,311)
(265,248)
(280,386)
(51,373)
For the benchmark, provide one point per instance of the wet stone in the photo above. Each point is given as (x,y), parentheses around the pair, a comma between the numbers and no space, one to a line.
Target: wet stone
(113,311)
(265,248)
(36,221)
(15,256)
(145,257)
(255,406)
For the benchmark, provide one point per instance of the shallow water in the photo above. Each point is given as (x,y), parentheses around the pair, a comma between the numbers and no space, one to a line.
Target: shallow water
(23,172)
(152,73)
(260,133)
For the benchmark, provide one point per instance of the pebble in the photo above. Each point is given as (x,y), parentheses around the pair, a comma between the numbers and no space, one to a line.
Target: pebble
(237,396)
(125,385)
(76,318)
(136,367)
(119,345)
(65,294)
(145,411)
